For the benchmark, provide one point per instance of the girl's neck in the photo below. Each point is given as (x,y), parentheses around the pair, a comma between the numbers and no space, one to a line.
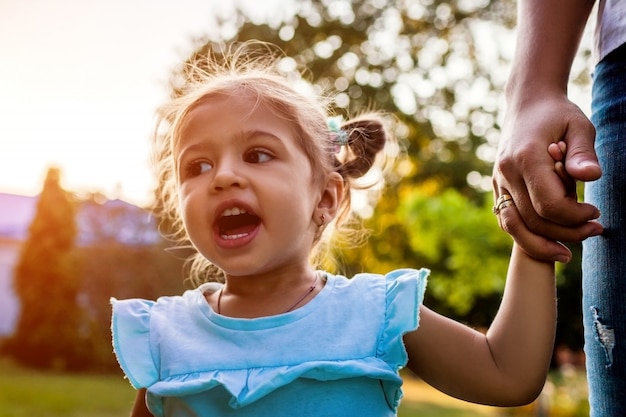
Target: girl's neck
(267,294)
(268,283)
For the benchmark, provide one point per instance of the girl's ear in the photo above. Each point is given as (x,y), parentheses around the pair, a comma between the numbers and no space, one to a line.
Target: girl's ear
(331,196)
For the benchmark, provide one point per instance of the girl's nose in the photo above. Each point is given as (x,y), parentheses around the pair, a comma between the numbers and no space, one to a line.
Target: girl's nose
(226,177)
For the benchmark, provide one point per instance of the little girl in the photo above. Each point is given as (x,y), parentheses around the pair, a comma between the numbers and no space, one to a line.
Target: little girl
(253,176)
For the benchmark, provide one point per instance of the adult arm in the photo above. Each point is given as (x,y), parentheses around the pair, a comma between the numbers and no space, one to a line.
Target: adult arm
(507,366)
(539,113)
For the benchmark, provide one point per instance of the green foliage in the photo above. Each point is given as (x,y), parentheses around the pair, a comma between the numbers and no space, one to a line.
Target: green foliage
(460,242)
(121,271)
(46,281)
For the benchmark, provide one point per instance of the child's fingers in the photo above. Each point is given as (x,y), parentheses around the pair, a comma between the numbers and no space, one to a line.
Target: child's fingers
(559,167)
(568,181)
(557,151)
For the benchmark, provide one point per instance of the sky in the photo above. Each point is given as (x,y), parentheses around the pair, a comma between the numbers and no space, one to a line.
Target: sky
(79,83)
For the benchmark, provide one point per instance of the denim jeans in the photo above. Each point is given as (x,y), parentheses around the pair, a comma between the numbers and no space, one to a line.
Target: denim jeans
(604,257)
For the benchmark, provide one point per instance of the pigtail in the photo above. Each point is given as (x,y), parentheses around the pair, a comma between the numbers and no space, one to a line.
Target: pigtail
(362,151)
(358,143)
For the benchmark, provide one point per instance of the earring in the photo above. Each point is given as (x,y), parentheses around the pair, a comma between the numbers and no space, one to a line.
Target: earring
(320,227)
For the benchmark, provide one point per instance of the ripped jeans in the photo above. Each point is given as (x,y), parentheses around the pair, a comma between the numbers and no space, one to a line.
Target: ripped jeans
(604,257)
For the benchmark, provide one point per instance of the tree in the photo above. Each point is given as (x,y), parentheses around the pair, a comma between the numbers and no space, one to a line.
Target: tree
(119,254)
(48,332)
(121,270)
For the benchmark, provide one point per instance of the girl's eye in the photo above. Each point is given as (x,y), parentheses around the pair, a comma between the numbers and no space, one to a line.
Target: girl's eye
(257,156)
(198,168)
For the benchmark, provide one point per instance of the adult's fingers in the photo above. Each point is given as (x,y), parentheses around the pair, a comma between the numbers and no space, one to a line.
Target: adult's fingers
(545,197)
(550,210)
(533,244)
(581,161)
(541,195)
(547,204)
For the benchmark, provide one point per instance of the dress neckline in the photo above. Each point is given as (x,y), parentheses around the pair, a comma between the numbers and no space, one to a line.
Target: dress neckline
(260,323)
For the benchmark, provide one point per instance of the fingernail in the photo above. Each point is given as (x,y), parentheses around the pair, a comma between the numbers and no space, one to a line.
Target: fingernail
(586,163)
(563,259)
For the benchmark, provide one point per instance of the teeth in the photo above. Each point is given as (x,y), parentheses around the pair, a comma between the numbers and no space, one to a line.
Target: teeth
(235,211)
(233,237)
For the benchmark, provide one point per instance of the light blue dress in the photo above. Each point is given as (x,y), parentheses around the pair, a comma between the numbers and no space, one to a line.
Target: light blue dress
(338,355)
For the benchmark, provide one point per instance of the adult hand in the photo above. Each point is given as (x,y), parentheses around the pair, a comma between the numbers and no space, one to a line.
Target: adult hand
(547,208)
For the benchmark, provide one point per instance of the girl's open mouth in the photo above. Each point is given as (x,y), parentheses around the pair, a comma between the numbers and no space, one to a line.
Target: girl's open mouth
(236,223)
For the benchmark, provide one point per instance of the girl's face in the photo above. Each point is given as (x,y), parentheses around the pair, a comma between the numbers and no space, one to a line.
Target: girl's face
(248,199)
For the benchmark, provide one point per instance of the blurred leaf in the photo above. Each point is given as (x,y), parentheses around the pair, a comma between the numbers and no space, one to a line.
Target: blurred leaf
(461,243)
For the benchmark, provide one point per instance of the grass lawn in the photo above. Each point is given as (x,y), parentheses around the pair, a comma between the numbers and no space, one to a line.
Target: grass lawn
(27,393)
(422,400)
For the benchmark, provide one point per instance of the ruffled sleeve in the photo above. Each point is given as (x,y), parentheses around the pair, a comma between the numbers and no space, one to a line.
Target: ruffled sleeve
(130,327)
(405,294)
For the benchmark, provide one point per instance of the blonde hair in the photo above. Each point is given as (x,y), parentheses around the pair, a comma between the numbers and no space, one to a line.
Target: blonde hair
(252,69)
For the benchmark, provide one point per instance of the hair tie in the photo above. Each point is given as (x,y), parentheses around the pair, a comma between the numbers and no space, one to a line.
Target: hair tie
(338,136)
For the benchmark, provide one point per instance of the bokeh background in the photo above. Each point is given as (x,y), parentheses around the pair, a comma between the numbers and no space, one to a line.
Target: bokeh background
(79,83)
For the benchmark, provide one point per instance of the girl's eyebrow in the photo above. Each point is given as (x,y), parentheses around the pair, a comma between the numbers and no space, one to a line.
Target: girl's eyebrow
(180,152)
(250,134)
(242,137)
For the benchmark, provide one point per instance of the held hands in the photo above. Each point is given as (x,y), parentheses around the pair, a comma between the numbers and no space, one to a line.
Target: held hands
(540,174)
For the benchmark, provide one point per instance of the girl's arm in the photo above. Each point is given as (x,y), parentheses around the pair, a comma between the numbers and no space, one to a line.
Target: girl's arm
(507,366)
(139,408)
